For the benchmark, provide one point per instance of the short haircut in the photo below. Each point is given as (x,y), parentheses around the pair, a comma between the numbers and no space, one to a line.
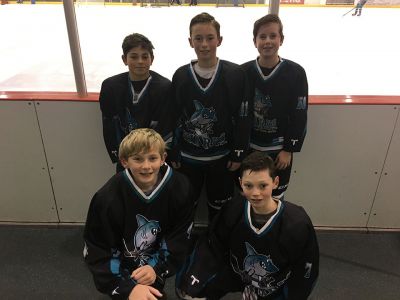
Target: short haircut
(270,18)
(258,161)
(139,141)
(137,40)
(202,19)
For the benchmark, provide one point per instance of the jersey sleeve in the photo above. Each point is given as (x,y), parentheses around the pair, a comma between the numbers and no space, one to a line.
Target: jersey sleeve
(101,254)
(163,115)
(240,99)
(304,261)
(160,91)
(297,125)
(111,131)
(174,112)
(223,223)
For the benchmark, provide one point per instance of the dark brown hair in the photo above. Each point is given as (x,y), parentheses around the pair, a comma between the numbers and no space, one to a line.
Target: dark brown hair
(204,18)
(270,18)
(137,40)
(258,161)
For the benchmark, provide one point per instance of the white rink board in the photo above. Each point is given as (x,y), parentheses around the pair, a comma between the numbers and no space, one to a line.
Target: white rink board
(78,161)
(25,188)
(386,208)
(336,174)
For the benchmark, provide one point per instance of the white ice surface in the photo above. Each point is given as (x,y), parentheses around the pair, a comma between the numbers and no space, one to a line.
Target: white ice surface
(341,55)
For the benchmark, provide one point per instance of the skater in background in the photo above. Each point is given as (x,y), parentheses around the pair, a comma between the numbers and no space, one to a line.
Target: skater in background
(359,6)
(177,2)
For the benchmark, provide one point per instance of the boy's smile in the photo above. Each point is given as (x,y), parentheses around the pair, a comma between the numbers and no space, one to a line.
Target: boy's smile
(145,168)
(267,42)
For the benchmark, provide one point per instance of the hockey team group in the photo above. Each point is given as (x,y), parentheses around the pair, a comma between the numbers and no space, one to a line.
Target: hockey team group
(220,131)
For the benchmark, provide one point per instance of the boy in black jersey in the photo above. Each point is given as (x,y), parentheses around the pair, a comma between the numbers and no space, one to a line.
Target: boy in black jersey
(138,224)
(133,99)
(280,99)
(208,99)
(258,245)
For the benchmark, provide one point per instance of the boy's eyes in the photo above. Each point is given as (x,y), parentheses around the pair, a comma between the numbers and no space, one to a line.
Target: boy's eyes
(140,159)
(250,186)
(137,56)
(208,38)
(271,36)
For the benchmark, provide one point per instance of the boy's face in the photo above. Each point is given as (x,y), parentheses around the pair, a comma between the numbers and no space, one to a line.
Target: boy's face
(204,40)
(257,188)
(268,41)
(145,168)
(138,61)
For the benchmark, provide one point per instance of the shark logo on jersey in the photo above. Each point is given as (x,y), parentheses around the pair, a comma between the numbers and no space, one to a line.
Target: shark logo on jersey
(257,271)
(199,128)
(128,123)
(146,234)
(262,105)
(301,103)
(132,124)
(144,240)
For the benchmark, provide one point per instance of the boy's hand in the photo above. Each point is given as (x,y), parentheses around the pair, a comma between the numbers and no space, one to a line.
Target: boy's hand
(144,275)
(144,292)
(233,166)
(283,159)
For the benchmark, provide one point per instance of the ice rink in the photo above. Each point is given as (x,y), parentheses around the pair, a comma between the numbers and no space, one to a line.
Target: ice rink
(341,55)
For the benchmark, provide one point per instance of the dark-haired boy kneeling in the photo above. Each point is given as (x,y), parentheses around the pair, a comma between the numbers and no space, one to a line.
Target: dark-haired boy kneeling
(258,245)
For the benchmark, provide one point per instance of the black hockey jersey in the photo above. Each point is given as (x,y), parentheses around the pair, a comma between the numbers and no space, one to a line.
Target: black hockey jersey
(280,104)
(213,121)
(123,110)
(279,260)
(126,229)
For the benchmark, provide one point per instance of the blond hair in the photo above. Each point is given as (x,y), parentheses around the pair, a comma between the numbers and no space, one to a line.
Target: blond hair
(139,141)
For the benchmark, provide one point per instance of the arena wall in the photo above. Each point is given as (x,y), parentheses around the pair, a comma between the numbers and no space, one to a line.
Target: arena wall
(53,160)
